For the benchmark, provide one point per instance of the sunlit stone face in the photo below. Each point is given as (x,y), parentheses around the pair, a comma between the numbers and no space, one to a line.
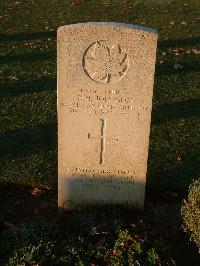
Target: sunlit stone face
(105,85)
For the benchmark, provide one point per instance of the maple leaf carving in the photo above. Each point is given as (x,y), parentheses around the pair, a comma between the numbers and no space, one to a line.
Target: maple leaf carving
(104,63)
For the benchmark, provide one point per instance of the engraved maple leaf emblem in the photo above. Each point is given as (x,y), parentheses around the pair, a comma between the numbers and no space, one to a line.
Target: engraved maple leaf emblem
(104,63)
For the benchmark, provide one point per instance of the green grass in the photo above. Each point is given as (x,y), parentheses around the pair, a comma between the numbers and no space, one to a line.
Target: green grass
(28,152)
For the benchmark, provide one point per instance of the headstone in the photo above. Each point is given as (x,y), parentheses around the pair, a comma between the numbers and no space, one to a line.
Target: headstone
(105,87)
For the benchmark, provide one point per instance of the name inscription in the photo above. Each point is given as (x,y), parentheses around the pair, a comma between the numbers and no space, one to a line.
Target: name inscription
(101,102)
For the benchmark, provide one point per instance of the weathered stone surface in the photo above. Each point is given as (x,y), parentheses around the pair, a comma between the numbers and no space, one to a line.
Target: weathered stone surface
(105,84)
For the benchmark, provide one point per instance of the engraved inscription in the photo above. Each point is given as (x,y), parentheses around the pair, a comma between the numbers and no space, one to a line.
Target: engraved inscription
(102,138)
(111,175)
(101,101)
(105,63)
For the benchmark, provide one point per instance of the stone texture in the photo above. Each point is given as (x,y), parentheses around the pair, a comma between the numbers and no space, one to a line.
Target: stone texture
(105,87)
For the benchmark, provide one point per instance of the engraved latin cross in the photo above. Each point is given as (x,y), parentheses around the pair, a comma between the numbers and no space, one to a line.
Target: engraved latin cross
(102,138)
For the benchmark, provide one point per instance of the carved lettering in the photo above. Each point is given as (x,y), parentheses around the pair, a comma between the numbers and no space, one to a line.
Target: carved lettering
(91,101)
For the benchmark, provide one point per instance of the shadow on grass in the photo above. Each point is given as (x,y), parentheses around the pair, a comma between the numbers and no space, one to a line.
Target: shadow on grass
(34,56)
(28,140)
(168,69)
(28,87)
(177,110)
(176,179)
(171,43)
(19,204)
(173,175)
(27,36)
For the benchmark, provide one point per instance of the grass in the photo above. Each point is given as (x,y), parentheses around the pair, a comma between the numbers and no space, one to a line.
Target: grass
(28,127)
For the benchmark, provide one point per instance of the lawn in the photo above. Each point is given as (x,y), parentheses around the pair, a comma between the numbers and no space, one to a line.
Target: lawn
(28,125)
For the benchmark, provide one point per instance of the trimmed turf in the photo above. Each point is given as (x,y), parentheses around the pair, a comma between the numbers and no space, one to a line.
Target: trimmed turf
(28,152)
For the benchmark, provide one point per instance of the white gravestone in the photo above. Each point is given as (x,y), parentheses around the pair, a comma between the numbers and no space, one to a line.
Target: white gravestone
(105,87)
